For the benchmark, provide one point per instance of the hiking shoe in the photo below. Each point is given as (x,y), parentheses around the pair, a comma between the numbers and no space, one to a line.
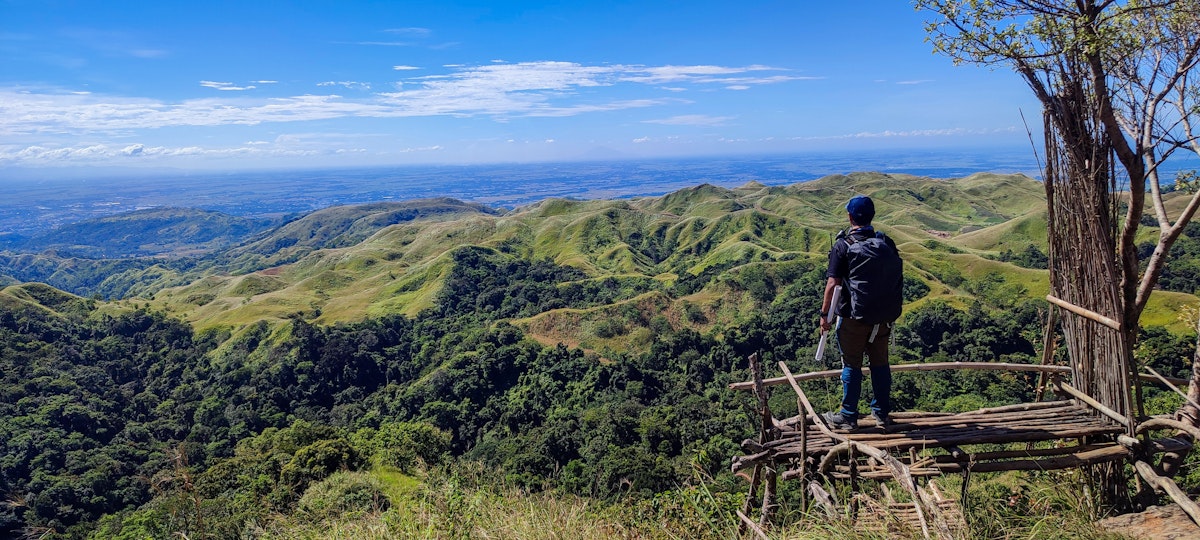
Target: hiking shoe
(838,420)
(882,420)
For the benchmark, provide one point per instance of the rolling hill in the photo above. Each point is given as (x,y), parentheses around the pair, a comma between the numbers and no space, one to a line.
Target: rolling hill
(342,264)
(338,268)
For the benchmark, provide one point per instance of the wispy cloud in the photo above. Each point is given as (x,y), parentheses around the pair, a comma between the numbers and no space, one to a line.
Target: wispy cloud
(692,120)
(705,74)
(947,132)
(917,81)
(353,85)
(225,86)
(405,68)
(386,43)
(499,90)
(292,145)
(131,153)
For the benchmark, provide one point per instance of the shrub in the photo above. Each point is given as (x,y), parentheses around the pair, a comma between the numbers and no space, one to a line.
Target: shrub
(343,495)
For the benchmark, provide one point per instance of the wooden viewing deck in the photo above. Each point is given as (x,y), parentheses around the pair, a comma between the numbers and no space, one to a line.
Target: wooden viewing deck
(929,444)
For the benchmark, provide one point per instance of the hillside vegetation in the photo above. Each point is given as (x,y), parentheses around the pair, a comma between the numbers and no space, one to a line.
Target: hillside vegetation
(415,368)
(329,267)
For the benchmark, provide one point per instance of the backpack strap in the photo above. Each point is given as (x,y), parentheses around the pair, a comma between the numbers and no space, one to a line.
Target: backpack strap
(851,240)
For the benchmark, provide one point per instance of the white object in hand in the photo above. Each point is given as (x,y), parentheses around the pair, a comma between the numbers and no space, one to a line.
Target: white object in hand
(837,295)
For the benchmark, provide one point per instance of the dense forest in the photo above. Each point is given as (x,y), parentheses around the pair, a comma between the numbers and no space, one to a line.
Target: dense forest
(121,420)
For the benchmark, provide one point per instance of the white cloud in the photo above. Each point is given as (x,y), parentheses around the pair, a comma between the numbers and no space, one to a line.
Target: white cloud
(498,90)
(139,152)
(224,86)
(405,68)
(264,82)
(640,140)
(919,81)
(737,87)
(433,148)
(947,132)
(692,120)
(352,85)
(705,75)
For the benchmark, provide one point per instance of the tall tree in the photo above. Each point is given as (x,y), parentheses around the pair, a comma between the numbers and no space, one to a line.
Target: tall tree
(1119,96)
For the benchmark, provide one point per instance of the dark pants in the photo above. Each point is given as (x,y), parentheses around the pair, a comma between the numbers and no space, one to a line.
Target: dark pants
(854,341)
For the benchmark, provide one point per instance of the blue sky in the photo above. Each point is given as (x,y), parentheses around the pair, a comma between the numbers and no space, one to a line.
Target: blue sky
(243,84)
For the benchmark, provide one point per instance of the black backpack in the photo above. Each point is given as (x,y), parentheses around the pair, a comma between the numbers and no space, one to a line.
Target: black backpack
(875,282)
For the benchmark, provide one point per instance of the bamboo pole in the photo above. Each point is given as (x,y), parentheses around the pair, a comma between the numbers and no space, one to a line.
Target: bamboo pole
(800,395)
(768,501)
(747,522)
(933,366)
(1159,376)
(1084,312)
(1091,457)
(1049,343)
(930,366)
(754,481)
(765,425)
(1010,454)
(803,457)
(1095,404)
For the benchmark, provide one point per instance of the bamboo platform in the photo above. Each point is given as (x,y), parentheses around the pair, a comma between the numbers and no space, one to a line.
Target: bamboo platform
(1045,435)
(1023,423)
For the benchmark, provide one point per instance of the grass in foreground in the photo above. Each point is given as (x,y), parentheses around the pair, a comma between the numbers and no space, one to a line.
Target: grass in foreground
(466,502)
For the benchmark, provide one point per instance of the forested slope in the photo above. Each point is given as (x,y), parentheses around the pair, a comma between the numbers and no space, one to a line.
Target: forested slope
(581,346)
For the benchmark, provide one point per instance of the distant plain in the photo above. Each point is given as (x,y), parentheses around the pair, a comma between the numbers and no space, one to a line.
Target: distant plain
(39,201)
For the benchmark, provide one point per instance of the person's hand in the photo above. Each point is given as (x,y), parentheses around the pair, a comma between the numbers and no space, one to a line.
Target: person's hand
(825,324)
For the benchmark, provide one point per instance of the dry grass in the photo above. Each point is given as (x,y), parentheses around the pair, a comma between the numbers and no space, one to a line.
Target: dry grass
(466,502)
(452,510)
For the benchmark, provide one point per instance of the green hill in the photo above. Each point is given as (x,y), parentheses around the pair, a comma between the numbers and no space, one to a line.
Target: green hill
(347,263)
(342,264)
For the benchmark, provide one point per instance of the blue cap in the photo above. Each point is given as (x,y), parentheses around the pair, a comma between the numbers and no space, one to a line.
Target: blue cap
(861,209)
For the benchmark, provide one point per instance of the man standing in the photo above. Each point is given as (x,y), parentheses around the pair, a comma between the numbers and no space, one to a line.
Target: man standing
(867,265)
